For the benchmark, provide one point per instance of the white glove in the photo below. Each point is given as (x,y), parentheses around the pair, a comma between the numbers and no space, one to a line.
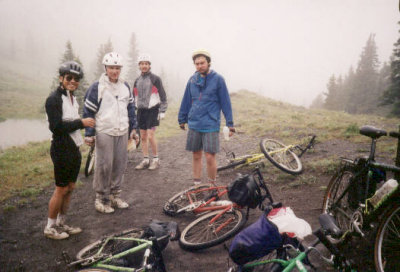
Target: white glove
(162,115)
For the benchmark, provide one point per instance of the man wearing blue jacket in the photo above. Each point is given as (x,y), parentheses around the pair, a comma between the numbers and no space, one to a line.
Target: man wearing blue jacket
(206,95)
(111,103)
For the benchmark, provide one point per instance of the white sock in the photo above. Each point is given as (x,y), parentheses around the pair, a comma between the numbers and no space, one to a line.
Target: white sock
(60,219)
(50,222)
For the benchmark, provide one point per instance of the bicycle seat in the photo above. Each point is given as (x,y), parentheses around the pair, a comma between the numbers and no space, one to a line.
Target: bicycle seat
(372,132)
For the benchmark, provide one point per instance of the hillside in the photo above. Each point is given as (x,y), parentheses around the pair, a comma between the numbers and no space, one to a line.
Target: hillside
(22,95)
(26,187)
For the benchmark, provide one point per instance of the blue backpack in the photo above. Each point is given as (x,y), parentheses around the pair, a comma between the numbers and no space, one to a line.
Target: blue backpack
(255,241)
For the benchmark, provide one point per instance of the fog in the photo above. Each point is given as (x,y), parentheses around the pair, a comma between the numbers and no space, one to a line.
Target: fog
(286,49)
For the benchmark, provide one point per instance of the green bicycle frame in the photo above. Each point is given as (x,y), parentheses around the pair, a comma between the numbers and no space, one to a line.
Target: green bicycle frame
(288,265)
(143,244)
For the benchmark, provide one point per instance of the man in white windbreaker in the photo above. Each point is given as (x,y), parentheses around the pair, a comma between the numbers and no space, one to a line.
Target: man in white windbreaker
(111,103)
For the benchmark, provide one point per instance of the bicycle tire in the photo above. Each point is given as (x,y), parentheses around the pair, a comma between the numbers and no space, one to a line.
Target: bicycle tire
(387,243)
(112,247)
(180,199)
(89,166)
(341,209)
(287,161)
(201,226)
(230,165)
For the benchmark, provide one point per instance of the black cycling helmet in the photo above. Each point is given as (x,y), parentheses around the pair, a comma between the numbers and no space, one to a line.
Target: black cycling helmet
(71,67)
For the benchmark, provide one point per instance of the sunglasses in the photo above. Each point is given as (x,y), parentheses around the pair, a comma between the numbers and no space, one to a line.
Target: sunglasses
(70,77)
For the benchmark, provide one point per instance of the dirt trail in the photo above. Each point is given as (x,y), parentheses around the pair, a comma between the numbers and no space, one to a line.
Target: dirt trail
(24,248)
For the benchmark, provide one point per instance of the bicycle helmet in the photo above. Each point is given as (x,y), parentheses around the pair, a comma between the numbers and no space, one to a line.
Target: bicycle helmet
(71,67)
(144,57)
(112,59)
(201,52)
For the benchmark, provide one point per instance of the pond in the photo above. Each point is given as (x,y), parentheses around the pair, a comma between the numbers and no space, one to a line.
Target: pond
(16,132)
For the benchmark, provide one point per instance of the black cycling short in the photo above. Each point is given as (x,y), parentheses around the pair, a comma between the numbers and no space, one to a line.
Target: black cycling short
(148,118)
(67,162)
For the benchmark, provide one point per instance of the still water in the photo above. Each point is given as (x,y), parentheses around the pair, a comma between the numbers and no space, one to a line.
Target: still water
(15,132)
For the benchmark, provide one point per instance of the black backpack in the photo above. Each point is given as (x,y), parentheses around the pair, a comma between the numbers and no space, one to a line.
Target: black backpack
(245,192)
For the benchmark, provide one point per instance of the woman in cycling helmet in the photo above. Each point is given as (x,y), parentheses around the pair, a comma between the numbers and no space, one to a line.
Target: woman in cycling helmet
(65,124)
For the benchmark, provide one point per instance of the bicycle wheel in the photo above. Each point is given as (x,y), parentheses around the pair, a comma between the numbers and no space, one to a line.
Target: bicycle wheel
(336,199)
(283,158)
(89,166)
(387,243)
(181,200)
(202,234)
(231,164)
(90,252)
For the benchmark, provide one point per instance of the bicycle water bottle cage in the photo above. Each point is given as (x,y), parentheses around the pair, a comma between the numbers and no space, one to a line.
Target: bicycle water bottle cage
(372,132)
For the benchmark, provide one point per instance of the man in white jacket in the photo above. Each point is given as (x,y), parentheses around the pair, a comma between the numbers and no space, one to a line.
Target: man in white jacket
(111,103)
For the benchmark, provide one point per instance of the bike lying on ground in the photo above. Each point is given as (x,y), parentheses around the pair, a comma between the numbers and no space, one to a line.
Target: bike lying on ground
(135,250)
(360,210)
(275,249)
(222,218)
(285,157)
(291,254)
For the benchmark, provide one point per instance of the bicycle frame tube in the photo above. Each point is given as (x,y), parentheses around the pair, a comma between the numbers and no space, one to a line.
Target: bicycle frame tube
(204,207)
(288,265)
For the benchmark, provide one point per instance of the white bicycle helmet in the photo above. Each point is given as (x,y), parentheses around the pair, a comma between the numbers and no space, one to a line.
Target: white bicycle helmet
(144,57)
(201,52)
(112,59)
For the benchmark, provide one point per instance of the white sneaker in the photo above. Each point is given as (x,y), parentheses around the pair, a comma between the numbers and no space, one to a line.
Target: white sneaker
(69,229)
(52,233)
(142,165)
(118,203)
(155,163)
(103,208)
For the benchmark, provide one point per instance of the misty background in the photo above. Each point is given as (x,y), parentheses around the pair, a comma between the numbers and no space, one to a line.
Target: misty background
(286,50)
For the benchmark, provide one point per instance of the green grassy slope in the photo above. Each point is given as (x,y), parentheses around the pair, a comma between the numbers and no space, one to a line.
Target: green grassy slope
(24,171)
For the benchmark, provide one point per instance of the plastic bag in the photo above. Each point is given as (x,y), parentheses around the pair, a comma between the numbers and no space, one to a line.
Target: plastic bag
(287,222)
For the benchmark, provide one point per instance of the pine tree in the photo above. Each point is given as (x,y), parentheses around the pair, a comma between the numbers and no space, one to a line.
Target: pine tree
(69,55)
(318,102)
(103,49)
(391,95)
(133,70)
(332,94)
(364,96)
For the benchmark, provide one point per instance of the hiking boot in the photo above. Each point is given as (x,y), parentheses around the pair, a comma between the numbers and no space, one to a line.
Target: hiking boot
(144,164)
(53,233)
(103,208)
(69,229)
(155,163)
(118,202)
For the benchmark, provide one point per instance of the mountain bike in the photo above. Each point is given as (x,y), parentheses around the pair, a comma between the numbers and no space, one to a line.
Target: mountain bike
(222,218)
(349,200)
(129,250)
(292,255)
(285,157)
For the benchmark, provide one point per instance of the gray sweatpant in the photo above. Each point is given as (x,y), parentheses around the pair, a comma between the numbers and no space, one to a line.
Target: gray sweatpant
(111,161)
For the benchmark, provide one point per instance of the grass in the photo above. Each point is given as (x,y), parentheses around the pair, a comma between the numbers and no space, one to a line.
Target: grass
(26,170)
(21,97)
